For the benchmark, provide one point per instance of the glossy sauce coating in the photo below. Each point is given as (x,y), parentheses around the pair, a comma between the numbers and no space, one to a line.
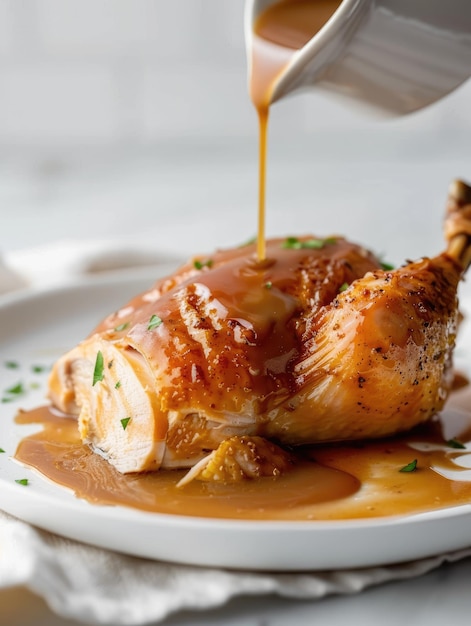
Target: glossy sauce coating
(247,313)
(331,482)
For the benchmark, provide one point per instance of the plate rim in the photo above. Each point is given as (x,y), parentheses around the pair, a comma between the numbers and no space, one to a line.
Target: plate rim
(180,524)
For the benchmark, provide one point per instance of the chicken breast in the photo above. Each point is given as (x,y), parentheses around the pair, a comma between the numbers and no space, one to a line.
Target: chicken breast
(317,343)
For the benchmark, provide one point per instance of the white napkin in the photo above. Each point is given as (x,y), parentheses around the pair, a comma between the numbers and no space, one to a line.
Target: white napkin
(102,587)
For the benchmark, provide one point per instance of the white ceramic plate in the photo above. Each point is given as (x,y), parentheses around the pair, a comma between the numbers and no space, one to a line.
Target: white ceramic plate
(35,329)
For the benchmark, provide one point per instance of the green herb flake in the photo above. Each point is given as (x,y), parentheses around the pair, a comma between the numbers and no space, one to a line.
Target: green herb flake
(125,422)
(12,365)
(34,385)
(199,265)
(98,374)
(22,481)
(410,467)
(268,284)
(293,243)
(454,443)
(2,451)
(317,244)
(16,390)
(5,400)
(118,385)
(39,369)
(154,322)
(343,287)
(121,327)
(387,267)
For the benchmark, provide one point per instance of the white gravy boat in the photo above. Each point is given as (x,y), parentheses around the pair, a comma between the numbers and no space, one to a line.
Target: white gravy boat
(393,56)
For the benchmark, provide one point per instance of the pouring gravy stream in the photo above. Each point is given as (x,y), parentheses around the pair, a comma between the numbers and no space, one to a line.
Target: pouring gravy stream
(280,31)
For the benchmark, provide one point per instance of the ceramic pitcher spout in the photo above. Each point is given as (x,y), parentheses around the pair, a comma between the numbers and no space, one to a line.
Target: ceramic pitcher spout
(392,56)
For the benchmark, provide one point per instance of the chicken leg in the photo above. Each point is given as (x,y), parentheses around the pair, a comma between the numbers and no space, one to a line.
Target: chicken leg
(317,343)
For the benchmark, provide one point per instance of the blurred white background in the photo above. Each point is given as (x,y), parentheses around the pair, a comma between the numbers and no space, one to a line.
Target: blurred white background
(130,119)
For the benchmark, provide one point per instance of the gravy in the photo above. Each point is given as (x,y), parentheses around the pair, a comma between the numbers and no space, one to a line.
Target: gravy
(279,32)
(329,482)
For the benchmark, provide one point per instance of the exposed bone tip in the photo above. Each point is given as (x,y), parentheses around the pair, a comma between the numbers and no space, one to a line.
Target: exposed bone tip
(460,250)
(460,192)
(458,223)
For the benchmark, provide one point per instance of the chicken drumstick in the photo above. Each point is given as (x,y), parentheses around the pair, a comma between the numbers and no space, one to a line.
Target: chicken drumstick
(317,343)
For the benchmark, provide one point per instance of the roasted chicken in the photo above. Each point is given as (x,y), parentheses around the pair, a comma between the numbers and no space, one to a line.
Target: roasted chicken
(317,343)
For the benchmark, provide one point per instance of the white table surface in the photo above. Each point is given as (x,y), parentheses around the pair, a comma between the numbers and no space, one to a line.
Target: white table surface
(384,189)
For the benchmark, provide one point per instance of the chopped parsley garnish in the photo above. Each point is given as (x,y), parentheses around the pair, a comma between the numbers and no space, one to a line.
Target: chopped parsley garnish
(2,451)
(39,369)
(454,443)
(22,481)
(343,287)
(121,327)
(268,284)
(125,422)
(34,385)
(154,322)
(293,243)
(200,264)
(410,467)
(118,385)
(13,392)
(387,267)
(98,374)
(16,389)
(12,365)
